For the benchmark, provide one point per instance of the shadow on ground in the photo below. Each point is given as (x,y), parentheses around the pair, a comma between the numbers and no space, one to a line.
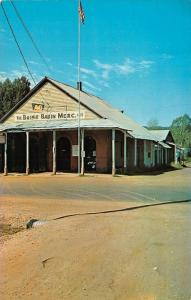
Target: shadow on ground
(123,209)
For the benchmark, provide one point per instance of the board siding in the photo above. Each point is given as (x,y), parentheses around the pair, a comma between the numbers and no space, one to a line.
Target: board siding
(52,98)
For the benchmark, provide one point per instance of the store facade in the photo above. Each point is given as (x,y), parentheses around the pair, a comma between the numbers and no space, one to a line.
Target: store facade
(41,133)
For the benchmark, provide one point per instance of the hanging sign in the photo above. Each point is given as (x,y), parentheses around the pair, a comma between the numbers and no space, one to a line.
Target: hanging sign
(44,116)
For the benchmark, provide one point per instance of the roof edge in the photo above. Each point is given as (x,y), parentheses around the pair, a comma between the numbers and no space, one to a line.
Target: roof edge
(23,100)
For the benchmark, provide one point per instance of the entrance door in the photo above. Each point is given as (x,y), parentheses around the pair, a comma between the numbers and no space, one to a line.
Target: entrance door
(90,154)
(63,154)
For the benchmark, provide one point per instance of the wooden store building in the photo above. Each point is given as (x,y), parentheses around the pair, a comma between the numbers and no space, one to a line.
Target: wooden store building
(41,133)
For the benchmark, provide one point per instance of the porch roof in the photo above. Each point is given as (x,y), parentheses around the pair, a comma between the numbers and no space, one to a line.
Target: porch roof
(60,125)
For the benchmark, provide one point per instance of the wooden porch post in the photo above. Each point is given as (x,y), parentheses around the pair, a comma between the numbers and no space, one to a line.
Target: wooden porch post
(5,156)
(175,158)
(125,152)
(113,153)
(135,152)
(145,153)
(82,151)
(27,153)
(158,155)
(54,153)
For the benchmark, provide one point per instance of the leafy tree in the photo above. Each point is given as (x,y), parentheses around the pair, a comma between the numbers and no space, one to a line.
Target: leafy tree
(153,124)
(181,130)
(12,92)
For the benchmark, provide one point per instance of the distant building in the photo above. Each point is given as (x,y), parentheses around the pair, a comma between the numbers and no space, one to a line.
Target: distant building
(40,134)
(167,141)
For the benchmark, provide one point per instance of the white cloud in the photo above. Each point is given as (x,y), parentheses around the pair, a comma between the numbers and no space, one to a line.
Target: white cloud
(88,72)
(166,56)
(17,73)
(104,83)
(146,64)
(128,67)
(90,85)
(32,62)
(106,68)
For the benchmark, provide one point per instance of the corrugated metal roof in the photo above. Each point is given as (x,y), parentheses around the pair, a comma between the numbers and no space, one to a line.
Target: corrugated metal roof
(164,145)
(107,111)
(112,118)
(161,134)
(60,124)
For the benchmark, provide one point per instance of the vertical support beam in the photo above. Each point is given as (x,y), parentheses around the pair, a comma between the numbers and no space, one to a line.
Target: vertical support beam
(158,155)
(135,152)
(145,153)
(175,157)
(166,157)
(113,152)
(162,154)
(125,152)
(5,156)
(54,153)
(152,154)
(82,151)
(27,153)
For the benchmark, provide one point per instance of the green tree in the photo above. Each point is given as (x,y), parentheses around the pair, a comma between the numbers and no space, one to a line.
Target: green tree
(12,92)
(181,130)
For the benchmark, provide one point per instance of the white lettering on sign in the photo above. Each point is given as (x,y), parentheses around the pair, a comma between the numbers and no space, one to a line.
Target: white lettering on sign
(69,115)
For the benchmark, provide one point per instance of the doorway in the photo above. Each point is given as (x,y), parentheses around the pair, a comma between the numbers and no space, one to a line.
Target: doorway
(90,153)
(63,155)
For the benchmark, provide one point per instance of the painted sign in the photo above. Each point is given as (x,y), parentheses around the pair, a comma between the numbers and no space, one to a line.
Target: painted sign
(37,107)
(75,150)
(2,139)
(44,116)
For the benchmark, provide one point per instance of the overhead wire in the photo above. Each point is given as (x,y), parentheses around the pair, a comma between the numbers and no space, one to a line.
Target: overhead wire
(17,43)
(29,34)
(20,50)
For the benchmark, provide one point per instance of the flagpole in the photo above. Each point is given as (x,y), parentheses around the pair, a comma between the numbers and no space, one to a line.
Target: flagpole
(79,21)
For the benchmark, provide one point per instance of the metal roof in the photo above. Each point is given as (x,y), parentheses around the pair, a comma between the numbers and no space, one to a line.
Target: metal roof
(106,111)
(165,145)
(60,124)
(110,117)
(161,134)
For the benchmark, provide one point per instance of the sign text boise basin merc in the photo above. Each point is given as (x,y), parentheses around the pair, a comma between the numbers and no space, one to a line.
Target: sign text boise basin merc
(69,115)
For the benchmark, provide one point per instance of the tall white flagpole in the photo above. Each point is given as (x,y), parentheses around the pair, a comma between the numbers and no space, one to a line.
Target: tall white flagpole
(79,85)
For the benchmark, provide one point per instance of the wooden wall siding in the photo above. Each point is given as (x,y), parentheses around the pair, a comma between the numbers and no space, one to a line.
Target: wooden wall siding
(50,94)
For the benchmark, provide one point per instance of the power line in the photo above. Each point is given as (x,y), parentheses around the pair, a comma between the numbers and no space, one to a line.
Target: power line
(17,43)
(29,34)
(20,50)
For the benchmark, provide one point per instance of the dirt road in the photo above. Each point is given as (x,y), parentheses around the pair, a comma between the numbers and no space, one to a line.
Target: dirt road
(143,253)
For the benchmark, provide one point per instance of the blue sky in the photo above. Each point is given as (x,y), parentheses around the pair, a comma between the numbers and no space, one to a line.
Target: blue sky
(136,54)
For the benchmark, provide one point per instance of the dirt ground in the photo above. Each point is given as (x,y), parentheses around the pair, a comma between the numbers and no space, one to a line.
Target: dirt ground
(142,253)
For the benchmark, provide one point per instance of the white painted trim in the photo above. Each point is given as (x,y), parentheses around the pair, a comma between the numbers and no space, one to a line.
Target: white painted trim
(135,152)
(125,151)
(27,153)
(113,152)
(54,153)
(82,151)
(5,155)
